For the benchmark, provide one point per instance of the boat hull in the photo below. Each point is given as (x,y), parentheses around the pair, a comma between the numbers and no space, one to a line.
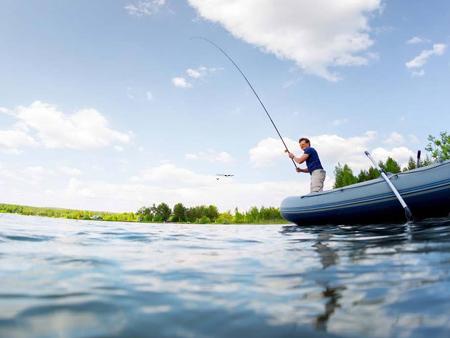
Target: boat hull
(425,190)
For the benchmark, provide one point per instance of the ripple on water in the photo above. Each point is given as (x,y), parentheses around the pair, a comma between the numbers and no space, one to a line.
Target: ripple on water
(29,238)
(85,279)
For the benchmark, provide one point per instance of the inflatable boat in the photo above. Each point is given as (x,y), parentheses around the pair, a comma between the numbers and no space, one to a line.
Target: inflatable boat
(426,190)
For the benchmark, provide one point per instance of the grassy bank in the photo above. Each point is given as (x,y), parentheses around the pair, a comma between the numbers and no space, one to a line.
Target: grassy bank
(197,215)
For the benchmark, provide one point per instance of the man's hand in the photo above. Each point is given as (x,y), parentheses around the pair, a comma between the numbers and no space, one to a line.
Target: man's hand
(291,155)
(298,170)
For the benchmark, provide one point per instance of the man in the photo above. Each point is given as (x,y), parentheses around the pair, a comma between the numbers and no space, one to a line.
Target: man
(314,167)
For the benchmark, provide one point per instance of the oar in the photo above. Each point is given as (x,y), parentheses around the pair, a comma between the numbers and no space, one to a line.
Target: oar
(408,213)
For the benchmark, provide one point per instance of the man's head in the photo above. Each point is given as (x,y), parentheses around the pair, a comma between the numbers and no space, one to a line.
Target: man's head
(304,143)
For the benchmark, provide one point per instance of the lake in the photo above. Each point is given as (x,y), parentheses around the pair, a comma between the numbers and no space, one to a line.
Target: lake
(68,278)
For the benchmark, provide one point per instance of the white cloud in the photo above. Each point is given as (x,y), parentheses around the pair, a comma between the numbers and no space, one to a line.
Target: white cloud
(416,64)
(149,95)
(268,150)
(144,7)
(181,82)
(226,194)
(194,74)
(333,149)
(395,138)
(400,154)
(4,110)
(163,183)
(316,35)
(418,73)
(11,141)
(84,129)
(70,171)
(211,156)
(416,40)
(200,72)
(170,175)
(171,184)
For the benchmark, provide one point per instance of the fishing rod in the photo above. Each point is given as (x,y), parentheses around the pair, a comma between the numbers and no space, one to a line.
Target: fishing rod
(250,85)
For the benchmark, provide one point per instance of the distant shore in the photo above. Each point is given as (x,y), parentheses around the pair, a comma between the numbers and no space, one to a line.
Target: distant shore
(253,216)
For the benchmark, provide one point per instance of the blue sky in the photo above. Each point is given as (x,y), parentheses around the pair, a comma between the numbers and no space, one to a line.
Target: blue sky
(110,105)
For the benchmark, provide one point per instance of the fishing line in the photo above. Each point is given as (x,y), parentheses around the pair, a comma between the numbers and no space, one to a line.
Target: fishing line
(250,85)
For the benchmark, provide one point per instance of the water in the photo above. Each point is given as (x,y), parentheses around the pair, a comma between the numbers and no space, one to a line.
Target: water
(66,278)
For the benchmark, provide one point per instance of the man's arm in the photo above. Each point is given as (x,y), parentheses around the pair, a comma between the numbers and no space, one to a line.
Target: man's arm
(300,159)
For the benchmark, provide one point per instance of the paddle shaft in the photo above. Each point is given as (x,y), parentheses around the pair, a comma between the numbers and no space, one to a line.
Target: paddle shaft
(408,213)
(254,91)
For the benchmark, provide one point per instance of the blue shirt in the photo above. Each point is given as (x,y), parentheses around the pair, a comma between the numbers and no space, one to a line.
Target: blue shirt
(313,161)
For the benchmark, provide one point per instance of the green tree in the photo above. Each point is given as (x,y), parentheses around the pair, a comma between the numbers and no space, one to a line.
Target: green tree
(252,216)
(238,217)
(193,213)
(179,213)
(367,175)
(343,176)
(162,212)
(390,166)
(145,214)
(212,213)
(439,147)
(412,164)
(203,220)
(363,176)
(224,218)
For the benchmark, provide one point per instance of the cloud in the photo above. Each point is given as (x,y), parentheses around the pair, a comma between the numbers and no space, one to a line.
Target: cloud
(4,110)
(44,125)
(163,183)
(400,154)
(201,71)
(268,150)
(194,74)
(211,156)
(137,94)
(226,194)
(70,171)
(30,175)
(181,82)
(418,73)
(169,175)
(333,149)
(171,184)
(394,138)
(416,40)
(316,35)
(11,141)
(416,64)
(144,7)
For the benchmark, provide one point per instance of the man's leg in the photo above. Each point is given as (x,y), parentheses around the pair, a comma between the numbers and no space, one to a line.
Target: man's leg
(317,179)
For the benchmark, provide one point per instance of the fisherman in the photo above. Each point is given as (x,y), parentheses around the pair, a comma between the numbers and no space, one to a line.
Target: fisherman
(314,167)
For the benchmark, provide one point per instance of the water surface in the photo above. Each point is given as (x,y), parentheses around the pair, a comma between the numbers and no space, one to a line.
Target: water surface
(67,278)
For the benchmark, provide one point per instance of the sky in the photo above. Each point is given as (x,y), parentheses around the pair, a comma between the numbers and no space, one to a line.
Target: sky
(112,105)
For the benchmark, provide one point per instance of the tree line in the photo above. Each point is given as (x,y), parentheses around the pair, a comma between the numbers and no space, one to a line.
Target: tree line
(160,213)
(207,214)
(438,149)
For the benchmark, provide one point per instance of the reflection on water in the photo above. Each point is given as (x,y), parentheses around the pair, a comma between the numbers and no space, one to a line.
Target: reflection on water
(65,278)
